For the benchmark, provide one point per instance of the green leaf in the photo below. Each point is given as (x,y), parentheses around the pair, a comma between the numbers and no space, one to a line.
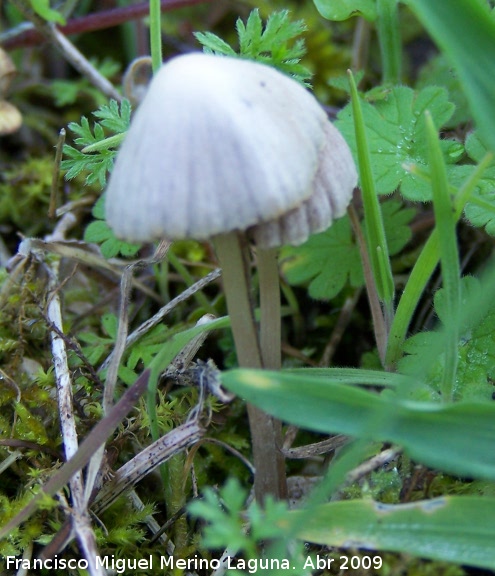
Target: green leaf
(66,92)
(445,224)
(476,348)
(396,219)
(110,324)
(397,136)
(315,260)
(146,348)
(275,45)
(97,162)
(42,8)
(115,118)
(456,529)
(341,82)
(480,211)
(438,71)
(457,438)
(353,376)
(343,9)
(374,229)
(328,260)
(100,233)
(212,44)
(472,57)
(224,514)
(426,264)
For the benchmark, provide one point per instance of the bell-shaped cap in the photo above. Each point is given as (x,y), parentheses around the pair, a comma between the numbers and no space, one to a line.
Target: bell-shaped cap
(333,186)
(218,144)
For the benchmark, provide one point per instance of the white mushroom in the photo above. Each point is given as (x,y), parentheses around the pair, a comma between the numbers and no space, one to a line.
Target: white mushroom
(222,146)
(10,117)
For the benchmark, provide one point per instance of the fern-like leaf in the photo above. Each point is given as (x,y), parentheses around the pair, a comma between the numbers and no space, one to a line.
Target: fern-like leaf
(113,121)
(274,45)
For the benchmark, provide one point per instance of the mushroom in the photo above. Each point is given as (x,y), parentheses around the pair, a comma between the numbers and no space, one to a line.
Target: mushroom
(10,117)
(228,149)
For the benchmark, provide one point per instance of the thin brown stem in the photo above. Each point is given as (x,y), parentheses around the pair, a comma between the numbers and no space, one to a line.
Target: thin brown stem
(340,326)
(270,325)
(231,253)
(235,279)
(91,22)
(361,44)
(379,325)
(271,342)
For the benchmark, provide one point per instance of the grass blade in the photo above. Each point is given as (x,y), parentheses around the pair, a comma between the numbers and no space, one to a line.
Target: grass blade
(453,529)
(445,224)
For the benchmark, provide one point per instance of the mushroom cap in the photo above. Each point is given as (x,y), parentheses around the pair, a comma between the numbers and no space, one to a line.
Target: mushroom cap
(333,186)
(10,118)
(217,144)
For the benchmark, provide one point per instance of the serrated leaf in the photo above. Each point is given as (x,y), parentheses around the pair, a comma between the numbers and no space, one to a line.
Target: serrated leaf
(397,137)
(99,232)
(279,29)
(100,162)
(212,44)
(330,259)
(338,10)
(274,46)
(341,82)
(223,511)
(396,220)
(115,118)
(476,350)
(250,34)
(480,211)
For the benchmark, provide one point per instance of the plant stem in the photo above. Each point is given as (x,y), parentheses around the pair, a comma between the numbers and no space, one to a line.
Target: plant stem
(389,37)
(21,37)
(270,324)
(271,342)
(361,44)
(155,34)
(379,326)
(230,252)
(232,255)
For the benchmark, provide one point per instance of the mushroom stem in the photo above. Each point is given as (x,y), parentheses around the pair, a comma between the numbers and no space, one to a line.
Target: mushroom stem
(235,277)
(269,477)
(270,325)
(271,344)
